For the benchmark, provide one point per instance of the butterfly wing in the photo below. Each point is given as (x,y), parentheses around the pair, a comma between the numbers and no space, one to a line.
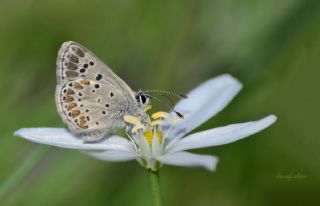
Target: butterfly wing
(90,98)
(75,61)
(89,106)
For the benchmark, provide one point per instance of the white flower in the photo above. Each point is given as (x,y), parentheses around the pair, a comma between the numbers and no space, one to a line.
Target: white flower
(165,140)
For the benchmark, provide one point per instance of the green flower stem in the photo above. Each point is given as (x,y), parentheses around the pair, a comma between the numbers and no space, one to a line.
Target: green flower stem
(155,187)
(22,170)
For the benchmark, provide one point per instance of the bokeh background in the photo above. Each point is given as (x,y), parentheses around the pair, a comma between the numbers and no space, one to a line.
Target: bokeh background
(272,46)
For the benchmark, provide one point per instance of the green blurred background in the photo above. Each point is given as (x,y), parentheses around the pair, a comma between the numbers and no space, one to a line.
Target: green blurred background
(272,46)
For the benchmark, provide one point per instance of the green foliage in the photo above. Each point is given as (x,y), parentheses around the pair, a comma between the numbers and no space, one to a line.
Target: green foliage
(271,46)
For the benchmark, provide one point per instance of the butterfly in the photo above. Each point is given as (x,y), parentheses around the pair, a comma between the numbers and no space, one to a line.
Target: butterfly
(90,98)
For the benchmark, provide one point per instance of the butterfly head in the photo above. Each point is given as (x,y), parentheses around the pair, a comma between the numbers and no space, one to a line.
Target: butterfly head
(143,98)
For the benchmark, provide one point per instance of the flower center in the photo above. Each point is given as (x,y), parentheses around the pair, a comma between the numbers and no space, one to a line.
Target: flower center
(148,138)
(149,131)
(149,135)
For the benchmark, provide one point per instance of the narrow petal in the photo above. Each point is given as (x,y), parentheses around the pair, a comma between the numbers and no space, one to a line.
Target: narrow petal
(187,159)
(221,135)
(144,145)
(61,137)
(112,156)
(203,102)
(155,146)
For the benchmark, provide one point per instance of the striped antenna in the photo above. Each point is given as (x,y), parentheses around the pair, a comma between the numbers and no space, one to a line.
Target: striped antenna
(181,96)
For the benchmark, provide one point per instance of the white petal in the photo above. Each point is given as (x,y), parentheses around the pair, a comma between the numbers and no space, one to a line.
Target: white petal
(156,146)
(112,156)
(61,137)
(187,159)
(145,148)
(203,102)
(221,135)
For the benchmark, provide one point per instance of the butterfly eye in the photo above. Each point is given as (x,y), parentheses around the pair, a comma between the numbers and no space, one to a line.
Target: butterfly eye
(143,99)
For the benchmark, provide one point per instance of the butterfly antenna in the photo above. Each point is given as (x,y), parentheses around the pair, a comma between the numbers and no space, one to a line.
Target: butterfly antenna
(171,108)
(180,96)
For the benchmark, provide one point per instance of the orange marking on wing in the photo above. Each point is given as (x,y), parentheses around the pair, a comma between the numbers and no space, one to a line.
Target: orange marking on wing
(83,122)
(71,105)
(85,82)
(75,113)
(70,92)
(77,86)
(84,127)
(70,99)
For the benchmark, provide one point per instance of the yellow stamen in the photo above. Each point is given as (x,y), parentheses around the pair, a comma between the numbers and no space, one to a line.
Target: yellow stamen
(148,107)
(158,115)
(149,136)
(157,122)
(135,121)
(175,120)
(132,120)
(135,129)
(160,136)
